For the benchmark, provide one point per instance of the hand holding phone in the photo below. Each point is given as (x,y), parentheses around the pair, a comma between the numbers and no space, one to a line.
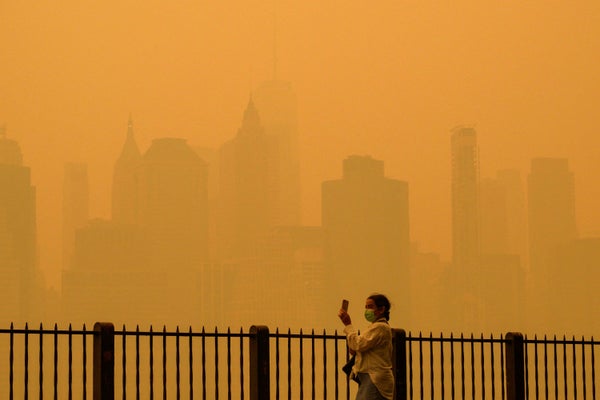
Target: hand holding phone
(345,305)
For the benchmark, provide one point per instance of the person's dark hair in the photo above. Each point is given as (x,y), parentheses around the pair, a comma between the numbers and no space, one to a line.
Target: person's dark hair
(381,301)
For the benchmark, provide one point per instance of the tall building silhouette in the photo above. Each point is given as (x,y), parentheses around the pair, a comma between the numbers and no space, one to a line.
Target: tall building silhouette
(366,227)
(503,225)
(17,231)
(551,211)
(277,106)
(124,186)
(551,207)
(465,221)
(75,205)
(173,204)
(466,277)
(111,267)
(247,188)
(502,276)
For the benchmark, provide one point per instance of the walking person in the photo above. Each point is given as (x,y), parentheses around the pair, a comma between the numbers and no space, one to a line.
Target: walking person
(372,349)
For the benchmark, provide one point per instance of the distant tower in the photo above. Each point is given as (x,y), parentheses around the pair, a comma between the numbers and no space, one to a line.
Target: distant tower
(173,203)
(124,188)
(277,105)
(17,231)
(75,206)
(247,188)
(366,227)
(552,229)
(551,195)
(465,222)
(502,215)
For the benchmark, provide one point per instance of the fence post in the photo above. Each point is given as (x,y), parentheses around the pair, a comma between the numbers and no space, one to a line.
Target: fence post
(399,363)
(104,361)
(259,363)
(515,366)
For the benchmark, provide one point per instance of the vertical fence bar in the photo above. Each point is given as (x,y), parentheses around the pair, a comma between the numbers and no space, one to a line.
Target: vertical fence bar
(536,361)
(515,385)
(421,365)
(259,363)
(41,362)
(431,366)
(399,363)
(492,369)
(228,363)
(191,363)
(442,376)
(583,367)
(137,361)
(177,360)
(410,367)
(151,362)
(555,369)
(11,362)
(301,363)
(216,396)
(324,364)
(104,361)
(593,369)
(526,355)
(336,354)
(84,353)
(482,349)
(502,366)
(289,364)
(203,347)
(70,362)
(242,391)
(546,366)
(564,346)
(312,363)
(462,366)
(452,377)
(574,368)
(472,341)
(277,373)
(124,363)
(55,337)
(164,361)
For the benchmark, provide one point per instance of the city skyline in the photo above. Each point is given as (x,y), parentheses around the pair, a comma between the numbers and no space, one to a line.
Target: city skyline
(391,82)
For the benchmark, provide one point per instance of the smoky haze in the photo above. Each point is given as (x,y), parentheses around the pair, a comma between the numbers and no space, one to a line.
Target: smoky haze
(234,163)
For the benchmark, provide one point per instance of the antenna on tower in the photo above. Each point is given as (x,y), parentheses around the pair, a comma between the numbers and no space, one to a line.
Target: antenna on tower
(274,40)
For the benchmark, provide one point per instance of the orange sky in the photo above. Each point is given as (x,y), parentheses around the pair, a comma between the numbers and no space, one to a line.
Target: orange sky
(388,79)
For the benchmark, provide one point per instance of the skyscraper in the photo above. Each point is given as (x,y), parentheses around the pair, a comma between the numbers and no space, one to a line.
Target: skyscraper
(124,187)
(247,188)
(75,205)
(551,205)
(465,221)
(17,228)
(173,203)
(366,227)
(277,106)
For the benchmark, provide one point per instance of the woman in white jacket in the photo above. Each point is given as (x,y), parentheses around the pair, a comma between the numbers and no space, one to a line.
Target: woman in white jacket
(373,350)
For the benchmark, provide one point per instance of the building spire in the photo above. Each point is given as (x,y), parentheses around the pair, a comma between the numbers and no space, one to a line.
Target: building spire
(274,40)
(130,126)
(130,149)
(251,120)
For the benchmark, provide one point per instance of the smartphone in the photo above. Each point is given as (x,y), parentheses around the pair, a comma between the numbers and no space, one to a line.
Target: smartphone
(345,305)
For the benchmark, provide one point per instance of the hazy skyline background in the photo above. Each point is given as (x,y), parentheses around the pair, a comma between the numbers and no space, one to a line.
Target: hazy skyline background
(389,81)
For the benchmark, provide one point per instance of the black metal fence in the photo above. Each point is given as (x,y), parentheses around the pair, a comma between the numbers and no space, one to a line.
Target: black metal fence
(108,363)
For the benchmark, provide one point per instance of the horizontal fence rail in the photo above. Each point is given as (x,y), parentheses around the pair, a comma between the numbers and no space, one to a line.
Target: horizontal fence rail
(110,363)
